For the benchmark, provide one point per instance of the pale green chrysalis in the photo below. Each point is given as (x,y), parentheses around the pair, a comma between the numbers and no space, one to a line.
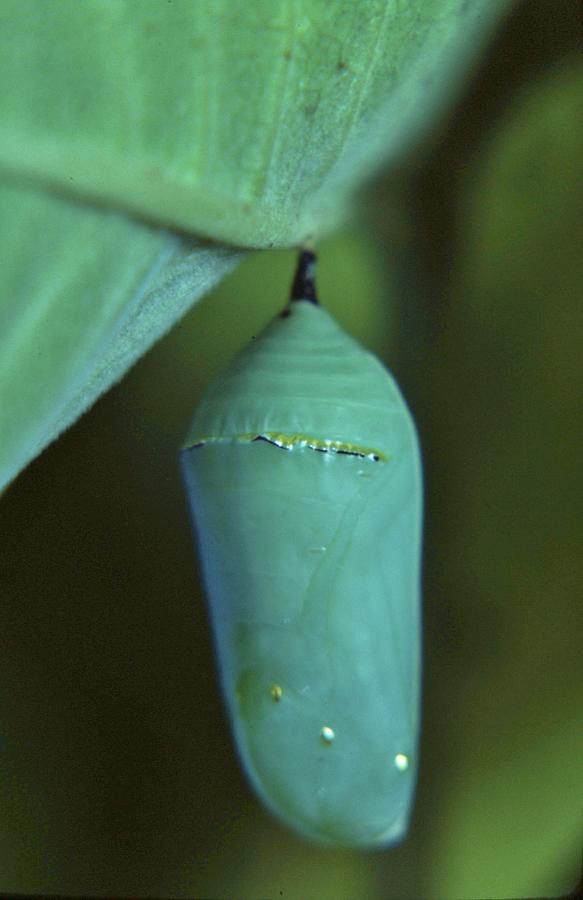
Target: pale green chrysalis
(303,473)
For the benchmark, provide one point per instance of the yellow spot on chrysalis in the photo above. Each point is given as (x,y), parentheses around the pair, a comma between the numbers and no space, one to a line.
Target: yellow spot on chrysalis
(327,734)
(402,762)
(276,692)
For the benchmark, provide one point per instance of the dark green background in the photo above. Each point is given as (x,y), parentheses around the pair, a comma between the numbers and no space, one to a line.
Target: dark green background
(118,775)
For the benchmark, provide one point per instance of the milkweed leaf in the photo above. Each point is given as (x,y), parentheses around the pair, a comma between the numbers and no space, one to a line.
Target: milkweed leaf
(83,294)
(251,123)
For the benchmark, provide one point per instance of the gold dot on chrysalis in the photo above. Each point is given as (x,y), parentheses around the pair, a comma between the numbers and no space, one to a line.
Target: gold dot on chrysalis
(276,692)
(402,762)
(327,734)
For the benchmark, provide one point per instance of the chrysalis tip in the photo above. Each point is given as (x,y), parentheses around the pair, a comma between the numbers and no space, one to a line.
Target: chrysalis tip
(304,285)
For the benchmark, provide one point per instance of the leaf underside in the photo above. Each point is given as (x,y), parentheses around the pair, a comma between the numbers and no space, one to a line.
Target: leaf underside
(125,127)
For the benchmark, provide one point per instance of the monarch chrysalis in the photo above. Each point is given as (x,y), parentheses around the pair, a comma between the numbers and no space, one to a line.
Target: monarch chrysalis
(303,472)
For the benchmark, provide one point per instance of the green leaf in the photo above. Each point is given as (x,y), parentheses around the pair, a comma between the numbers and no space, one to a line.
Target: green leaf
(84,294)
(250,122)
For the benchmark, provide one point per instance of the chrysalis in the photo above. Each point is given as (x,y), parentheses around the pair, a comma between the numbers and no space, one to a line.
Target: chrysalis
(303,473)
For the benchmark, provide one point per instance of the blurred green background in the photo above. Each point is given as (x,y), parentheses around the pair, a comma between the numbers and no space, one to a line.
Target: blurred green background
(119,777)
